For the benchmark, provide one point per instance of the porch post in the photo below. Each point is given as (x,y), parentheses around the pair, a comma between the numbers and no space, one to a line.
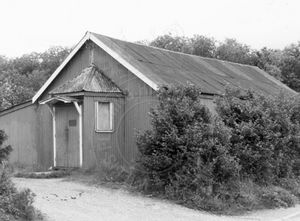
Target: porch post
(54,136)
(79,110)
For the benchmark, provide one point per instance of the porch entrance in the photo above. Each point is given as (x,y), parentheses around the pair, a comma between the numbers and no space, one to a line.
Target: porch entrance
(67,130)
(67,136)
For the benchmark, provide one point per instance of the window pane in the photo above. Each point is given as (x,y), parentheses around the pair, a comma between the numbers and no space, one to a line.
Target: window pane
(103,116)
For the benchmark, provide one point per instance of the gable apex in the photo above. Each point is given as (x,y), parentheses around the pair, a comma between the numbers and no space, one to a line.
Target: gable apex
(89,36)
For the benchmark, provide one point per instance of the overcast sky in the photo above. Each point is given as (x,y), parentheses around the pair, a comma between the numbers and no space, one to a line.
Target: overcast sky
(35,25)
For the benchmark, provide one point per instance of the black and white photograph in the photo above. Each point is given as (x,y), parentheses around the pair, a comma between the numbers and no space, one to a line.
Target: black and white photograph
(161,110)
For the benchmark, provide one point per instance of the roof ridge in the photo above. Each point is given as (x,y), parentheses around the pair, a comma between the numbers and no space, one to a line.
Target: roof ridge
(175,52)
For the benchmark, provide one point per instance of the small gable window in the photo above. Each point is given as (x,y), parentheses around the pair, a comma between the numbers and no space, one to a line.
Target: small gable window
(104,116)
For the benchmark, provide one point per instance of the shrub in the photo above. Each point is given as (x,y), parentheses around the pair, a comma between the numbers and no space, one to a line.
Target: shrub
(4,151)
(186,151)
(230,162)
(265,134)
(12,202)
(273,197)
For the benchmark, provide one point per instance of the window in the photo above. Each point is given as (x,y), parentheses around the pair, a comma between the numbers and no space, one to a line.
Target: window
(104,116)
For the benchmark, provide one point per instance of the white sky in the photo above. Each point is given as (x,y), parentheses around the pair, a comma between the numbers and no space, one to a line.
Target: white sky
(35,25)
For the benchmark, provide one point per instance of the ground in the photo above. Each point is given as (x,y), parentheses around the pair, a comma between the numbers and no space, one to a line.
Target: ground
(66,200)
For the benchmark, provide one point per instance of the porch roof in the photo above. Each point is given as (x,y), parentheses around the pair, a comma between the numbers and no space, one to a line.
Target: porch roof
(91,79)
(55,99)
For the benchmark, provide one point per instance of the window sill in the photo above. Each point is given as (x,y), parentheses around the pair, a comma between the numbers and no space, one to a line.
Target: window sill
(104,131)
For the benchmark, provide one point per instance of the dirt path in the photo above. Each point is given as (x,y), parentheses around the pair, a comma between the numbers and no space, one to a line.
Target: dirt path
(69,201)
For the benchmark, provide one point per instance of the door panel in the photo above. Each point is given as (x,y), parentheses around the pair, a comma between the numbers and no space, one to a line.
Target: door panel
(67,136)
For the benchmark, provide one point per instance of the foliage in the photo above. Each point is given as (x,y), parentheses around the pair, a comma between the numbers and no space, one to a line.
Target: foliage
(4,151)
(13,203)
(203,46)
(186,151)
(21,77)
(264,133)
(231,50)
(290,66)
(173,43)
(205,161)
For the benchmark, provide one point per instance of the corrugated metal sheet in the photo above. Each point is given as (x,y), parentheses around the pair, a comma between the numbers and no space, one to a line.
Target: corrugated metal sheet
(212,75)
(91,79)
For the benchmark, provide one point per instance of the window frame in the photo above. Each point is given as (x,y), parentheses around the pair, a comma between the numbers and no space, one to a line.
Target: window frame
(111,116)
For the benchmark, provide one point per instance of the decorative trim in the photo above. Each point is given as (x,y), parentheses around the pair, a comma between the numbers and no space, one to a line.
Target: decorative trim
(58,70)
(115,55)
(122,61)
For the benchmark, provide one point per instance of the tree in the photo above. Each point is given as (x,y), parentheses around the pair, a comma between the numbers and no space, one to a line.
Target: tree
(21,77)
(52,58)
(270,61)
(203,46)
(231,50)
(290,66)
(173,43)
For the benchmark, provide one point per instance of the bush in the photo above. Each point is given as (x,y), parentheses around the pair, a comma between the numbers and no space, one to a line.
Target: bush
(265,134)
(18,204)
(186,148)
(274,197)
(232,161)
(12,202)
(4,151)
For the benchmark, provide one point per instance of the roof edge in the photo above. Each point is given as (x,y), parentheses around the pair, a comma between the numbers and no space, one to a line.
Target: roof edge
(61,66)
(15,107)
(125,63)
(89,36)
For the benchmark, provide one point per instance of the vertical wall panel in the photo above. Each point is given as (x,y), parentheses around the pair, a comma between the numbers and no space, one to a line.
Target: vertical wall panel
(103,146)
(19,125)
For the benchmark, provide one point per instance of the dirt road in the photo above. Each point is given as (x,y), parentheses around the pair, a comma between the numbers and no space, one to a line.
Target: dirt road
(70,201)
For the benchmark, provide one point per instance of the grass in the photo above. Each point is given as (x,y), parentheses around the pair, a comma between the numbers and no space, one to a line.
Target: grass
(43,175)
(235,199)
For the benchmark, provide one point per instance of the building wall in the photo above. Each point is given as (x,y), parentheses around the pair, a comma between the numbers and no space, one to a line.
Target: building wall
(103,146)
(29,131)
(44,127)
(138,99)
(20,127)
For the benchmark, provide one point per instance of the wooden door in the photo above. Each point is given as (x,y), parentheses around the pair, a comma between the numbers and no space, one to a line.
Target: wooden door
(67,136)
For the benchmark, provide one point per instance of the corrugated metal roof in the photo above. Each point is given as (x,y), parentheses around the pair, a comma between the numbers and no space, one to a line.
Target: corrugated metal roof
(91,79)
(165,67)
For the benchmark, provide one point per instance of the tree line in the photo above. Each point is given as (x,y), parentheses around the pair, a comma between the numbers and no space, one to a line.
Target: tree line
(282,64)
(21,77)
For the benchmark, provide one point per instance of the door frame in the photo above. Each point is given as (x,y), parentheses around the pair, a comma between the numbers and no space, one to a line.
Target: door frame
(79,107)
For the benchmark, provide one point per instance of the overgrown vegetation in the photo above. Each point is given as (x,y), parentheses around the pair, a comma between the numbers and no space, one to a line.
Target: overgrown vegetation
(21,77)
(246,157)
(14,204)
